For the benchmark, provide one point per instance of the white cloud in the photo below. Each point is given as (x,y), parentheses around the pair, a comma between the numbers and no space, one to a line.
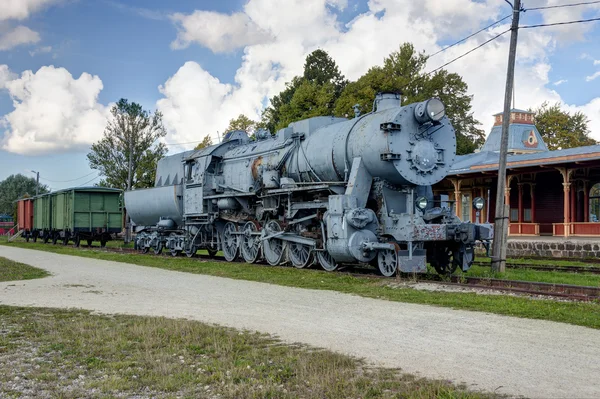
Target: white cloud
(277,37)
(6,75)
(592,77)
(53,112)
(40,50)
(18,36)
(218,32)
(21,9)
(559,82)
(596,62)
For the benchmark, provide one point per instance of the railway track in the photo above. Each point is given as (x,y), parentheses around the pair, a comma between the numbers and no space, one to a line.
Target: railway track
(549,268)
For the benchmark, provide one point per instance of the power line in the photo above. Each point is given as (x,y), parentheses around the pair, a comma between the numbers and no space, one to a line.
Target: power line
(563,5)
(560,23)
(89,181)
(468,52)
(470,36)
(67,181)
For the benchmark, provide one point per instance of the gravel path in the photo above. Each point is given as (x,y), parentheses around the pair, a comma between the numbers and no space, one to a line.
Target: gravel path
(533,358)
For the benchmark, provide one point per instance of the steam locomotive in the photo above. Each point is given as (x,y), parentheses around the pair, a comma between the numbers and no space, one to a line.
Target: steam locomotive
(323,190)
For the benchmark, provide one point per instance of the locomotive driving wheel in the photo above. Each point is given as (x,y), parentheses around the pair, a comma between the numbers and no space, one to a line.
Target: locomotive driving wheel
(273,248)
(387,261)
(443,261)
(250,244)
(300,255)
(158,248)
(191,251)
(229,241)
(326,261)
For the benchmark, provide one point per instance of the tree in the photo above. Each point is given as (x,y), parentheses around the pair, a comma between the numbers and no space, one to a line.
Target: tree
(560,129)
(128,152)
(206,142)
(242,122)
(310,95)
(14,187)
(403,71)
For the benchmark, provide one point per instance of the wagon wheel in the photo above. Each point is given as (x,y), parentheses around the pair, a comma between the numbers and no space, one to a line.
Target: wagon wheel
(301,255)
(250,243)
(229,241)
(46,238)
(191,251)
(442,261)
(35,236)
(387,261)
(273,248)
(65,239)
(326,261)
(26,237)
(103,243)
(54,238)
(158,248)
(76,240)
(212,251)
(89,242)
(174,252)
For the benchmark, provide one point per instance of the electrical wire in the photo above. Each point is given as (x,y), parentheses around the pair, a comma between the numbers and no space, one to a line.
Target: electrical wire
(468,52)
(470,36)
(67,181)
(563,5)
(560,23)
(89,181)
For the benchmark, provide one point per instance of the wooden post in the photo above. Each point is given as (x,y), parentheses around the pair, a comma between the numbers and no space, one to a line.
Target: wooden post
(520,185)
(586,202)
(532,195)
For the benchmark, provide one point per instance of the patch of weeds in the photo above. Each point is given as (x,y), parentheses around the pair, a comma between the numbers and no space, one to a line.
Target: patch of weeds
(82,355)
(12,271)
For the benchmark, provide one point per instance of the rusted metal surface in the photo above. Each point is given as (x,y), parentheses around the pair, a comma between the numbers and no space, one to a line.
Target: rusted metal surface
(255,167)
(429,232)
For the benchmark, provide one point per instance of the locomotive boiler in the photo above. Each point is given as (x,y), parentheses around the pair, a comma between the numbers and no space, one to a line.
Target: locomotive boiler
(322,190)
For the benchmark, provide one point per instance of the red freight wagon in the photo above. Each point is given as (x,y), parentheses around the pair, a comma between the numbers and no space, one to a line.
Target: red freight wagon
(25,216)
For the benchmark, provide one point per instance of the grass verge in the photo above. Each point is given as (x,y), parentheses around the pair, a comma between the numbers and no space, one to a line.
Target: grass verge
(584,314)
(72,354)
(555,277)
(11,270)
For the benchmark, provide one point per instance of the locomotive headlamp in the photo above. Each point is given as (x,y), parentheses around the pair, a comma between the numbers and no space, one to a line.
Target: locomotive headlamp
(431,110)
(421,203)
(478,203)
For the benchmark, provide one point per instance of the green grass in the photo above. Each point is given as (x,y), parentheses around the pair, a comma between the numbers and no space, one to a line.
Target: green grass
(584,314)
(11,270)
(72,354)
(544,262)
(587,279)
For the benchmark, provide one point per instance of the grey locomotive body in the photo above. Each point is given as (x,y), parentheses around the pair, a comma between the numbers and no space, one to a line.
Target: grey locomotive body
(326,190)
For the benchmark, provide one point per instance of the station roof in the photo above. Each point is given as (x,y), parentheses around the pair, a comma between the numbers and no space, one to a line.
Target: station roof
(486,161)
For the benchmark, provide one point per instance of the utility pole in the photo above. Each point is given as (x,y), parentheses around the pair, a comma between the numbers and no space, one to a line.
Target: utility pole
(37,182)
(501,215)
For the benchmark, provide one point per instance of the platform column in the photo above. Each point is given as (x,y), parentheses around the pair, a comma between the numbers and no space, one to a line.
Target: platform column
(573,202)
(457,197)
(520,186)
(586,202)
(566,207)
(532,196)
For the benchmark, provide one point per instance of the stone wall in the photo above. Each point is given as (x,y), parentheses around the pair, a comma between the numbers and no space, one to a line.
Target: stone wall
(555,249)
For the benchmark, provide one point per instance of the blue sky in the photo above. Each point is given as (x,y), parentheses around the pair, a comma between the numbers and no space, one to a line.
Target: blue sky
(203,62)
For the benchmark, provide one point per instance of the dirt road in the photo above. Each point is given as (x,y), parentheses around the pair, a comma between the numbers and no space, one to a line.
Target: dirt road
(508,355)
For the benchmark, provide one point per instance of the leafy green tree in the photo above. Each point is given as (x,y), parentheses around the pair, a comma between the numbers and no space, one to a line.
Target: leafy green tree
(403,71)
(310,95)
(242,122)
(561,129)
(206,142)
(129,150)
(14,187)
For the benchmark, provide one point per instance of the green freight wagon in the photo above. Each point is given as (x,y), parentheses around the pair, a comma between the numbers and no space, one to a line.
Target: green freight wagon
(86,213)
(42,217)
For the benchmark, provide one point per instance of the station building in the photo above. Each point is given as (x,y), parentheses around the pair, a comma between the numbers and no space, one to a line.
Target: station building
(551,193)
